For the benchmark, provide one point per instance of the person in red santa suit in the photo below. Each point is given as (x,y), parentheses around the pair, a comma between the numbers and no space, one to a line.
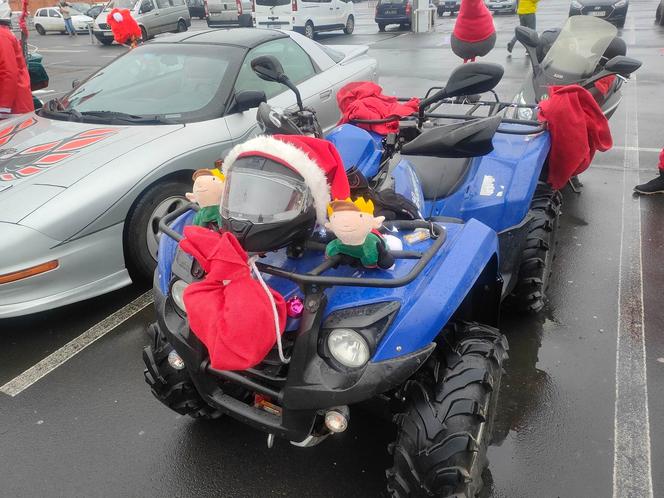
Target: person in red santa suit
(15,94)
(656,185)
(474,34)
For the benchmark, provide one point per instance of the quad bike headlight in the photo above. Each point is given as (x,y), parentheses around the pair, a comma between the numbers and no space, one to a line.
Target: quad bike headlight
(348,347)
(177,292)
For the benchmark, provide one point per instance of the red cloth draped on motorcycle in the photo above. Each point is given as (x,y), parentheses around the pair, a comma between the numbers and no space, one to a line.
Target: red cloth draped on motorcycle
(229,311)
(578,129)
(365,100)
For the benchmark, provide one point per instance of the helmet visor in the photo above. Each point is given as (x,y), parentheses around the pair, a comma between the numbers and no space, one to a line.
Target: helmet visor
(261,190)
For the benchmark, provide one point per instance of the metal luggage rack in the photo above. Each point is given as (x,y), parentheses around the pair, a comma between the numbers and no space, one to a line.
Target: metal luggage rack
(314,278)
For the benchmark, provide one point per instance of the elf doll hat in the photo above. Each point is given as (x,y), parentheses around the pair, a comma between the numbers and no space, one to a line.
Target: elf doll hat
(315,160)
(474,34)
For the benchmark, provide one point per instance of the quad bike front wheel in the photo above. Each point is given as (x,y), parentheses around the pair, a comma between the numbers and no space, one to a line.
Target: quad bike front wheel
(445,428)
(172,387)
(535,268)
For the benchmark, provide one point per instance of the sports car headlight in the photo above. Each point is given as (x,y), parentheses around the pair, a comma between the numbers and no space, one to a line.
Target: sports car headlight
(348,347)
(576,5)
(177,292)
(620,3)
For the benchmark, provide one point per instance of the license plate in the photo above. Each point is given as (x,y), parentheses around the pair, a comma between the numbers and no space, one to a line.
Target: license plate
(390,12)
(599,13)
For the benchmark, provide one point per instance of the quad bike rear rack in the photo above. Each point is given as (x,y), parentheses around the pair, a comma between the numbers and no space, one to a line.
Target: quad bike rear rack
(315,279)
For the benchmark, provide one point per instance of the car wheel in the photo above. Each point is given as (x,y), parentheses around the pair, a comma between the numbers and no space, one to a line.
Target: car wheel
(182,27)
(309,31)
(141,235)
(350,25)
(381,28)
(40,30)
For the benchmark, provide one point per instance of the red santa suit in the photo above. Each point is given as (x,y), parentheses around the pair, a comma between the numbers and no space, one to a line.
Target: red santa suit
(15,94)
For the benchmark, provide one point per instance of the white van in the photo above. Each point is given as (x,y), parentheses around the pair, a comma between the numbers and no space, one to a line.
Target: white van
(305,16)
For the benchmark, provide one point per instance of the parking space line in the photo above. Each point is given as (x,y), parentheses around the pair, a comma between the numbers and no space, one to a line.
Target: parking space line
(72,348)
(632,471)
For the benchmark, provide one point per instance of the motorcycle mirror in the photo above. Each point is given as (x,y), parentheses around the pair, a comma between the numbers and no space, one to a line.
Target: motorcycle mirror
(248,99)
(268,68)
(527,36)
(622,65)
(472,78)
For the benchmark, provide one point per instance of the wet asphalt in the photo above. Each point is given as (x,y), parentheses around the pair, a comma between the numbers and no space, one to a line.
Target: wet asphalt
(91,427)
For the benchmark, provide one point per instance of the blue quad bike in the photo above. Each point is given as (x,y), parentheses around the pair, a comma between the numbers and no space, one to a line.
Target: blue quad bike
(423,336)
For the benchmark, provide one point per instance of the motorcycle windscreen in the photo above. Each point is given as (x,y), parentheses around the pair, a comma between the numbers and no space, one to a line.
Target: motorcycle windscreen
(577,51)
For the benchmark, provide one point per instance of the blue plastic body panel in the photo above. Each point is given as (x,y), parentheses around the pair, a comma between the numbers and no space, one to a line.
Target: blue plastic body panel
(358,147)
(407,184)
(427,303)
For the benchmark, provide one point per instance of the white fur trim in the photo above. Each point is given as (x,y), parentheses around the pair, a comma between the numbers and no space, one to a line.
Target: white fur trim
(296,158)
(117,16)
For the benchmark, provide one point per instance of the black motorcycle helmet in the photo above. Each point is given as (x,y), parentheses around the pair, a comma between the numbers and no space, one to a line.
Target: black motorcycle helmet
(269,200)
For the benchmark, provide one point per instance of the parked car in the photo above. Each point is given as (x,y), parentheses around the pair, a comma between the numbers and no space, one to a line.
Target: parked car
(305,16)
(197,8)
(614,11)
(153,16)
(50,20)
(659,13)
(95,10)
(229,12)
(84,182)
(393,12)
(507,6)
(451,6)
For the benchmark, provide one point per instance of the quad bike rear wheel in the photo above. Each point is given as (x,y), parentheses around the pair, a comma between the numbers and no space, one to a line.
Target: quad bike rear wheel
(445,428)
(537,257)
(172,387)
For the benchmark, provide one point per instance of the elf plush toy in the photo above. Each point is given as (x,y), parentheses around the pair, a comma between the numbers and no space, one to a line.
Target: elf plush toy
(474,34)
(356,228)
(124,27)
(208,188)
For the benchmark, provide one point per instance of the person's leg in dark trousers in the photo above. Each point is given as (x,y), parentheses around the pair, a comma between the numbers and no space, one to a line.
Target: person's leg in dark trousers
(527,20)
(656,185)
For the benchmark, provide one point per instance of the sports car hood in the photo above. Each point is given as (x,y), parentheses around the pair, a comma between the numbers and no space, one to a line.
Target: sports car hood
(40,157)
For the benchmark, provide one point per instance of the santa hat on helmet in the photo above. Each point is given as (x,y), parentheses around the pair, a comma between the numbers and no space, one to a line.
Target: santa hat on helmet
(474,31)
(316,161)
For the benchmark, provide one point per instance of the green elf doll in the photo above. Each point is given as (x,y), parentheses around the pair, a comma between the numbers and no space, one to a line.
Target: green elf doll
(356,229)
(208,188)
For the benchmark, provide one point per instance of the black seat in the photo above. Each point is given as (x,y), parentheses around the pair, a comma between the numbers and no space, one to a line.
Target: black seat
(439,177)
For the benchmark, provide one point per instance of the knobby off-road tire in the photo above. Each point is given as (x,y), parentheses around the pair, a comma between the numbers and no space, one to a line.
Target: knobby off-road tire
(535,268)
(445,429)
(174,388)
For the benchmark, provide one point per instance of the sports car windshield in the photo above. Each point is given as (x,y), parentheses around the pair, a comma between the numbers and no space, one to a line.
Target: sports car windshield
(579,47)
(161,82)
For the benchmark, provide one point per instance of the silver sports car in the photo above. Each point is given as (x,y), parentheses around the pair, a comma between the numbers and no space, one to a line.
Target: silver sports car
(84,181)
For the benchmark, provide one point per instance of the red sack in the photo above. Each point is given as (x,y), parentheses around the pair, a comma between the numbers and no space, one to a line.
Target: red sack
(365,100)
(578,129)
(229,311)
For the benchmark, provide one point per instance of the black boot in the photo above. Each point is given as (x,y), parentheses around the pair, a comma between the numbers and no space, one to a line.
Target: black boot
(654,186)
(510,46)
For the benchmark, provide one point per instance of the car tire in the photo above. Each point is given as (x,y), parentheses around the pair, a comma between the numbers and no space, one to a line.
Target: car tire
(381,28)
(445,428)
(141,234)
(181,27)
(350,25)
(173,388)
(537,257)
(40,29)
(309,30)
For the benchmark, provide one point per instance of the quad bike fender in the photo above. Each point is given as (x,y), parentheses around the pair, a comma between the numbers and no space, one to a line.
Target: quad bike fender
(498,187)
(472,247)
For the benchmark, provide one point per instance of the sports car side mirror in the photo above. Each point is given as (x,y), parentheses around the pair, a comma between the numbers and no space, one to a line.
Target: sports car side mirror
(622,65)
(268,68)
(527,36)
(248,99)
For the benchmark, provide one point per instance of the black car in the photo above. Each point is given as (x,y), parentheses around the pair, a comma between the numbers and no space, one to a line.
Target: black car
(613,11)
(197,9)
(393,12)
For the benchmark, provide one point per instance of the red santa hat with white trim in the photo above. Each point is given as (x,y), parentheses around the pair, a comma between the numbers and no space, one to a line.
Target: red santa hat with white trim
(315,160)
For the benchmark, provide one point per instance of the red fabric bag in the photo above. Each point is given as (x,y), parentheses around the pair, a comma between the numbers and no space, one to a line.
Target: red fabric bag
(365,100)
(229,311)
(578,129)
